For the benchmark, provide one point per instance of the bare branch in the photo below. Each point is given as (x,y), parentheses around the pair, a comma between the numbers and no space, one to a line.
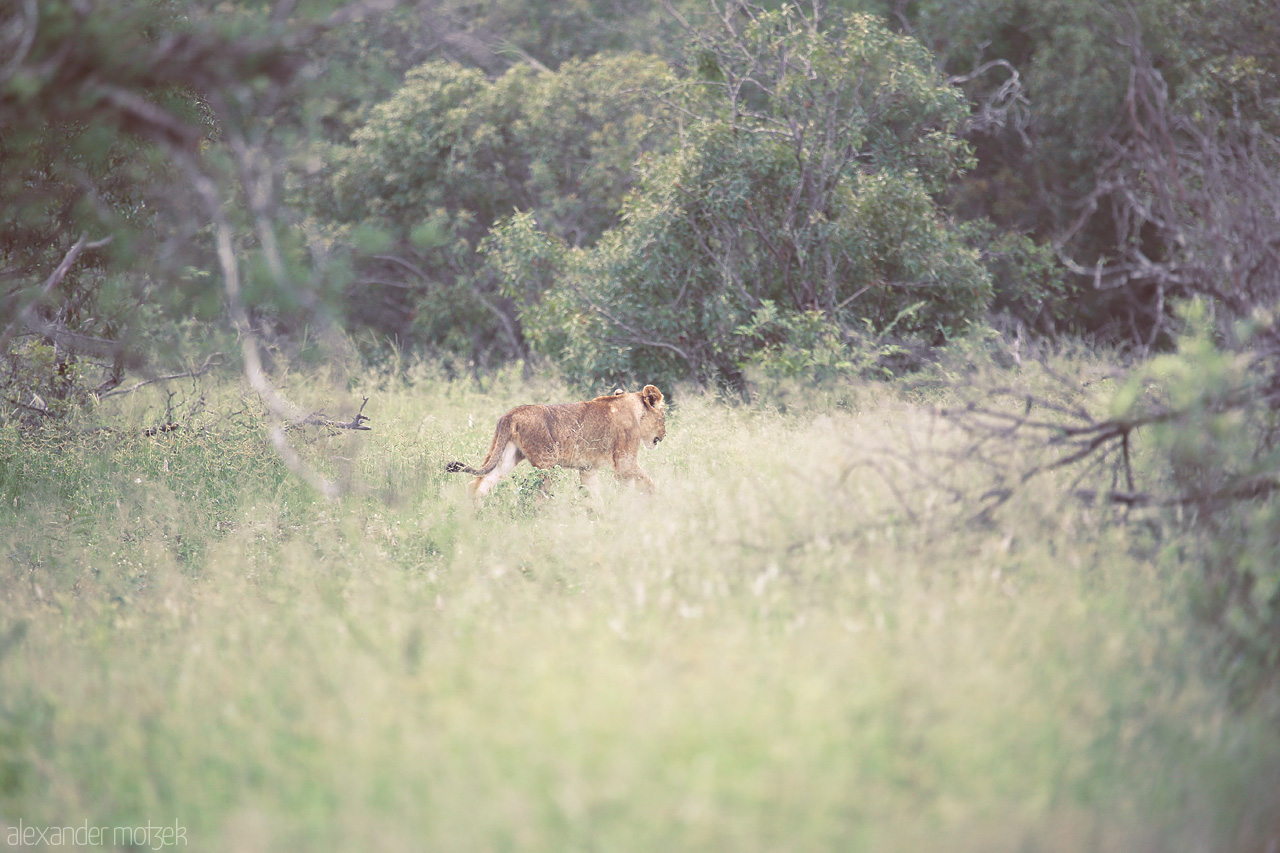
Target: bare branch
(280,407)
(320,419)
(22,317)
(405,264)
(140,116)
(1007,425)
(213,360)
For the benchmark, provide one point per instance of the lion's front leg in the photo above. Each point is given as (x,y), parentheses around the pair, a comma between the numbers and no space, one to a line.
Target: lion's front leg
(628,468)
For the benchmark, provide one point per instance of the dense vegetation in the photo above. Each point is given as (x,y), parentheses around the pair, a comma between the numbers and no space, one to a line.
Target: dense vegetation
(968,527)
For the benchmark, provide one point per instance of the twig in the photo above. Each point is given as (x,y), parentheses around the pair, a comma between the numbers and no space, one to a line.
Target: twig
(55,278)
(320,419)
(204,368)
(37,409)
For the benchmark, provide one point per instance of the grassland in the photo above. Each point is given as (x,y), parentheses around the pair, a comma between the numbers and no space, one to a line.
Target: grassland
(799,644)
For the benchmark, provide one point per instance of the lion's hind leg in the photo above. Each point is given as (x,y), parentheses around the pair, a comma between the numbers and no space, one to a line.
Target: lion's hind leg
(591,485)
(510,457)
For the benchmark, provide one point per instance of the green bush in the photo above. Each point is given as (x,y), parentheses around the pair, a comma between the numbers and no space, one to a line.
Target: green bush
(1214,426)
(1029,284)
(804,178)
(449,154)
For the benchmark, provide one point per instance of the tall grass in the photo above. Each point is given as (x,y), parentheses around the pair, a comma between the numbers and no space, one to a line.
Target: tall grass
(799,644)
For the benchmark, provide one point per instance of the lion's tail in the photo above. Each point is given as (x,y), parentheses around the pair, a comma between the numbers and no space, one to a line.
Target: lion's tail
(500,438)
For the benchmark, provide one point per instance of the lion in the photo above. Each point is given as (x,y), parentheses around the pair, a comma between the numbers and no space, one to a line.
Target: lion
(583,435)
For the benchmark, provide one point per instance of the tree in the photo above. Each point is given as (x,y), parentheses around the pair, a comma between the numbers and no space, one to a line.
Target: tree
(1093,103)
(1192,192)
(142,166)
(85,178)
(449,154)
(809,157)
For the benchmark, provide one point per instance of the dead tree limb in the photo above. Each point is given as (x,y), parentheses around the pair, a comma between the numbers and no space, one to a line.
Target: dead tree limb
(22,316)
(281,408)
(321,419)
(1059,436)
(212,361)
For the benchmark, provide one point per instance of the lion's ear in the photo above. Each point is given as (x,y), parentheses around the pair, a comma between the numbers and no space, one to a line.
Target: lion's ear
(652,396)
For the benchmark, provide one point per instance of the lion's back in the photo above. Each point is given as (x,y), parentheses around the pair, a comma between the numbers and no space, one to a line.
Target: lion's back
(572,435)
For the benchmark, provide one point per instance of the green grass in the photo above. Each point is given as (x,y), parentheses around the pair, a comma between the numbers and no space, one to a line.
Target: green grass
(797,645)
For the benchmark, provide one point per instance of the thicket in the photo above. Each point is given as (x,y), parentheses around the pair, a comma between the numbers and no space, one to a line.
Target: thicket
(450,154)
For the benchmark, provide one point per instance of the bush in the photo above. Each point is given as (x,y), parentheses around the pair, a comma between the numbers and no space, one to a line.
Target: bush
(805,180)
(452,152)
(1212,423)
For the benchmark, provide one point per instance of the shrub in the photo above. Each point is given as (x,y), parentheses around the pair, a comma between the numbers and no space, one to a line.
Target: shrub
(804,179)
(450,153)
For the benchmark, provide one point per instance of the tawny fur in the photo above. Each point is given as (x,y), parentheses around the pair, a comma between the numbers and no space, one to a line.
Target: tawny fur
(583,436)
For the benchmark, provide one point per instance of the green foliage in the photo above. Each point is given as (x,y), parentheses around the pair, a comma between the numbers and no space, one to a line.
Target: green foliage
(39,383)
(1215,428)
(1028,282)
(562,144)
(1241,597)
(1228,62)
(76,184)
(1201,400)
(362,64)
(805,346)
(451,152)
(810,350)
(555,32)
(804,179)
(107,110)
(1075,80)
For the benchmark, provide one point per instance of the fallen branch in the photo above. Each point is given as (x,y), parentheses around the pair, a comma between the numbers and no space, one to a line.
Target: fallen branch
(321,419)
(209,363)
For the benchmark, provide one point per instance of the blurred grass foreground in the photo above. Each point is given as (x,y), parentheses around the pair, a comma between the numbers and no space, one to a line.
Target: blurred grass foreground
(805,641)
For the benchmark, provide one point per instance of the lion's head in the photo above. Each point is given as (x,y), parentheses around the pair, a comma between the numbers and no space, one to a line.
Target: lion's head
(653,423)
